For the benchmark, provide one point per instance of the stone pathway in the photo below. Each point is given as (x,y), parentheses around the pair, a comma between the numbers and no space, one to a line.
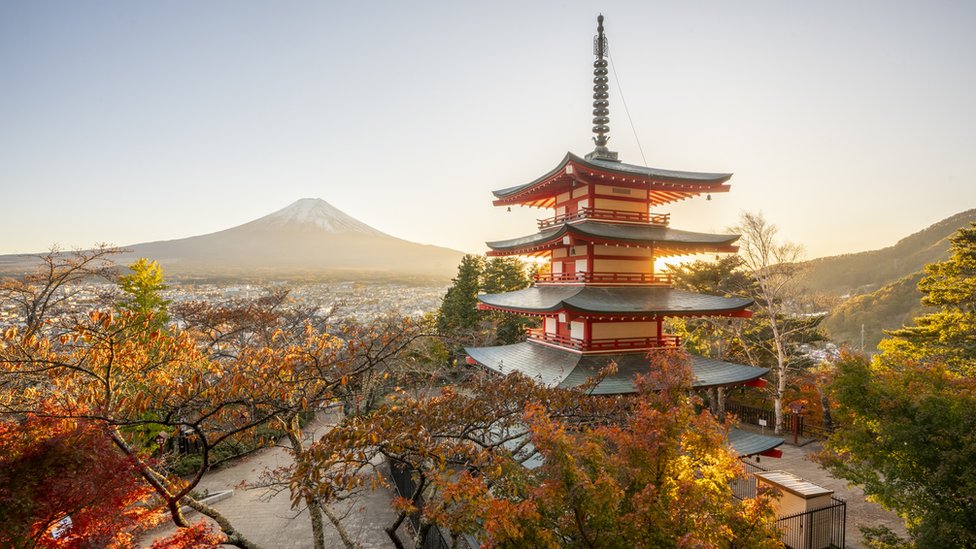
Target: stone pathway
(268,520)
(796,460)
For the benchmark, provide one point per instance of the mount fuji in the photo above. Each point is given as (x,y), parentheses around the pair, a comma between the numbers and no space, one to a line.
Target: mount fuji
(309,238)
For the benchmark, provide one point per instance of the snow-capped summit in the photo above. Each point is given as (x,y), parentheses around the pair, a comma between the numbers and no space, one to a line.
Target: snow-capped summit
(317,213)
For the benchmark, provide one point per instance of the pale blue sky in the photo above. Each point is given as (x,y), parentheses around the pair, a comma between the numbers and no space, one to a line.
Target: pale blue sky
(849,124)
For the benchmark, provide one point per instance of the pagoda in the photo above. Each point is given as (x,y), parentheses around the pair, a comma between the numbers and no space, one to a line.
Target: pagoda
(601,299)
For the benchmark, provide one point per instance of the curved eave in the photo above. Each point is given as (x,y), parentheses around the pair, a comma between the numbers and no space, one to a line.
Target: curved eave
(671,185)
(556,367)
(665,238)
(745,443)
(624,301)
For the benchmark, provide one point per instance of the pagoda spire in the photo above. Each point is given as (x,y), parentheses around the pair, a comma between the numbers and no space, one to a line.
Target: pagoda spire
(601,97)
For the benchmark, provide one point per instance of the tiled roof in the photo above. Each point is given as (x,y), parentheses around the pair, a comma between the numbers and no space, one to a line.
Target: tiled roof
(561,368)
(643,234)
(643,300)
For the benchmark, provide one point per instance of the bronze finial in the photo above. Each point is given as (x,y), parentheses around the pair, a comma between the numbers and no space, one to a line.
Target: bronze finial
(601,96)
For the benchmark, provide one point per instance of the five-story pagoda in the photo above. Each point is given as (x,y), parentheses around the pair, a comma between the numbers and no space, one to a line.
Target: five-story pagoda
(601,299)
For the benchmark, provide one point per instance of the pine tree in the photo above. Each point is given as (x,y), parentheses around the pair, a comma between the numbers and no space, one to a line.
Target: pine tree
(458,313)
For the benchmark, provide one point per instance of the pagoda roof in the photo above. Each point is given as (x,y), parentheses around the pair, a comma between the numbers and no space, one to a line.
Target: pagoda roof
(625,300)
(674,240)
(666,185)
(746,444)
(556,367)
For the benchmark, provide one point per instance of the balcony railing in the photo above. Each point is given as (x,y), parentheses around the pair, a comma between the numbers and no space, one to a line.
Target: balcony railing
(600,214)
(605,278)
(665,341)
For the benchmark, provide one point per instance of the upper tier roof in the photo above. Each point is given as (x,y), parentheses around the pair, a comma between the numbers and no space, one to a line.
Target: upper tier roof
(668,238)
(626,300)
(560,368)
(665,185)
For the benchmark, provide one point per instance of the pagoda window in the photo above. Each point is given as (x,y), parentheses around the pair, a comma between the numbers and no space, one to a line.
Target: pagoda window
(637,265)
(582,265)
(557,267)
(621,205)
(550,324)
(577,330)
(560,211)
(622,330)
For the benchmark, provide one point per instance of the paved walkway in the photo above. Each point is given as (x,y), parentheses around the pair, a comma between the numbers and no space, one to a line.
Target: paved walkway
(268,520)
(860,512)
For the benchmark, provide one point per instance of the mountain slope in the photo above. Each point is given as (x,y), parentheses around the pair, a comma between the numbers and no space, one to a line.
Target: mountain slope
(892,306)
(867,271)
(307,238)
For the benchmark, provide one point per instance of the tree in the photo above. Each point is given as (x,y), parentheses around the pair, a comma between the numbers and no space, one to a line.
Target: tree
(62,484)
(660,477)
(947,335)
(142,292)
(458,313)
(459,319)
(132,381)
(39,296)
(906,417)
(647,471)
(772,264)
(905,435)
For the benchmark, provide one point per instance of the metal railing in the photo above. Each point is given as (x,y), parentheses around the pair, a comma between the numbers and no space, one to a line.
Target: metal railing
(602,214)
(606,278)
(806,426)
(817,529)
(406,484)
(665,341)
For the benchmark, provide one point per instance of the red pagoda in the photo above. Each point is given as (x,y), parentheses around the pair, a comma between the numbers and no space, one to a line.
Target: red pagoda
(601,299)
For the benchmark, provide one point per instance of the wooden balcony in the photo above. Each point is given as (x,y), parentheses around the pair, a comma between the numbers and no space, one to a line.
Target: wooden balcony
(597,214)
(624,343)
(650,279)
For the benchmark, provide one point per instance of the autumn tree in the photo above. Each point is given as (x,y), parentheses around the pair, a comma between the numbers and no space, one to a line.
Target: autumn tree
(41,295)
(614,470)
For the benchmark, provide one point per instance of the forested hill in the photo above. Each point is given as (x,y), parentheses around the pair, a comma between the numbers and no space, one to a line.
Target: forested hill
(866,272)
(892,306)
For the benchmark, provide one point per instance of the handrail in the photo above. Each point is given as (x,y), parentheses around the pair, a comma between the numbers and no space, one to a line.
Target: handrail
(604,214)
(605,277)
(665,341)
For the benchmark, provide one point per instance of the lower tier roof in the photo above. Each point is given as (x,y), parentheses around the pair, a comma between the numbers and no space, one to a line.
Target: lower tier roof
(645,235)
(561,368)
(632,300)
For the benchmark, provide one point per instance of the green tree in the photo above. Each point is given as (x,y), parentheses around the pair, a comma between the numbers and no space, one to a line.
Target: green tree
(459,309)
(143,291)
(907,417)
(947,335)
(459,319)
(506,274)
(905,435)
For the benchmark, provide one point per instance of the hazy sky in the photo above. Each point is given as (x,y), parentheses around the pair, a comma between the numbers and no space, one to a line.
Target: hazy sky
(848,124)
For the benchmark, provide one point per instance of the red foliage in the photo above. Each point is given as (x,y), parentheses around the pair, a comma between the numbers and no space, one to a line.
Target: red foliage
(198,536)
(54,468)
